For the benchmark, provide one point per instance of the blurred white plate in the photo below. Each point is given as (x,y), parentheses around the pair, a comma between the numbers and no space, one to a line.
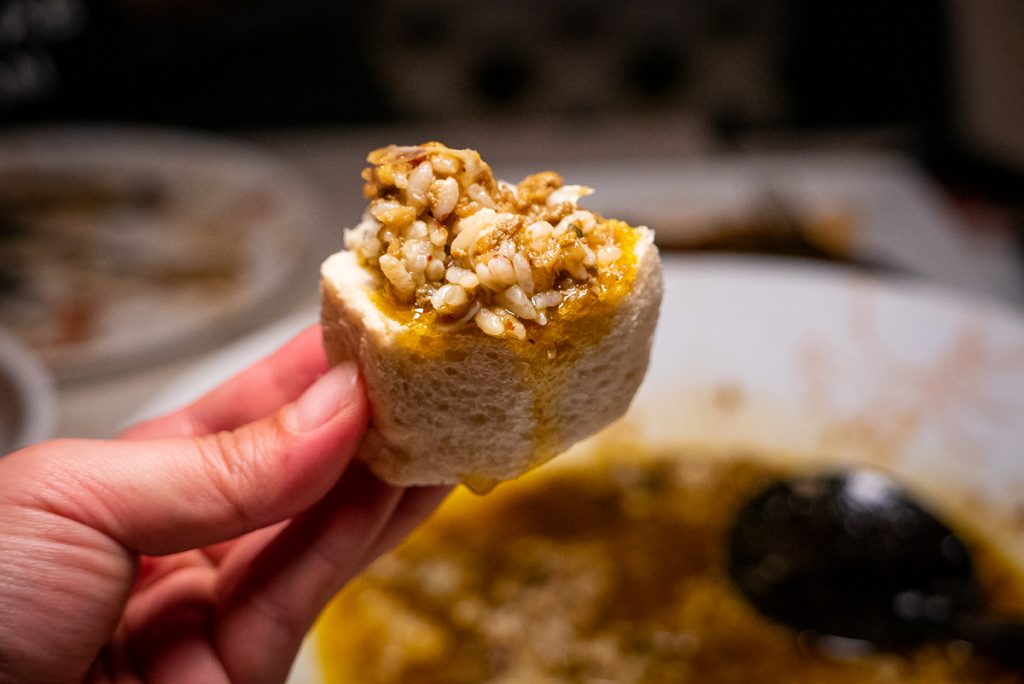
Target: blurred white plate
(123,245)
(27,400)
(816,363)
(822,362)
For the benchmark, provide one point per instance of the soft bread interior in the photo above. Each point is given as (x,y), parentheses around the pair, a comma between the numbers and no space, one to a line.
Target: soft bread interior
(466,407)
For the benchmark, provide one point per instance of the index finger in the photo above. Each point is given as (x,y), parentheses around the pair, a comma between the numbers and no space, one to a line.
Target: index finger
(250,395)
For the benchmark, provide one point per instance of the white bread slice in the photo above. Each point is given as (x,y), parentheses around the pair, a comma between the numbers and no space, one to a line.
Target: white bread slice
(463,406)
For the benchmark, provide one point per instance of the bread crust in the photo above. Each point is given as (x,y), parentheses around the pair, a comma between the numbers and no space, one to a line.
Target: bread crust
(468,407)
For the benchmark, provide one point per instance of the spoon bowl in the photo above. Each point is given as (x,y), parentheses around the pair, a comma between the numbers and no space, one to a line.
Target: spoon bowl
(852,555)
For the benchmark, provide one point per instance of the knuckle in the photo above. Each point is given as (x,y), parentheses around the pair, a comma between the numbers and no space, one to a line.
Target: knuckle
(283,618)
(338,565)
(237,464)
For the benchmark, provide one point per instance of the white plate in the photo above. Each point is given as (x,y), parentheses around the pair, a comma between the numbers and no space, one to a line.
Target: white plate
(155,241)
(821,362)
(816,363)
(27,400)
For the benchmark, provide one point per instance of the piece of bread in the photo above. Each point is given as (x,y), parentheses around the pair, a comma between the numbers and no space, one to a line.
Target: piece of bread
(484,373)
(467,407)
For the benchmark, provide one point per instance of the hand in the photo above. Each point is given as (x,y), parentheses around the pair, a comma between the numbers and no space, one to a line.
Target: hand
(198,547)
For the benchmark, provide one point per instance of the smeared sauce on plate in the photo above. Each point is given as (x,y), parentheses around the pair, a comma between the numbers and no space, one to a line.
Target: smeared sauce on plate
(611,570)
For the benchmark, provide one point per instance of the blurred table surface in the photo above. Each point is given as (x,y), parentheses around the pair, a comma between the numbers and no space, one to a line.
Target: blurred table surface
(330,161)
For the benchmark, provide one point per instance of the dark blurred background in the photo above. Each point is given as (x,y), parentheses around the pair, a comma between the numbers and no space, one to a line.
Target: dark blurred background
(943,79)
(932,85)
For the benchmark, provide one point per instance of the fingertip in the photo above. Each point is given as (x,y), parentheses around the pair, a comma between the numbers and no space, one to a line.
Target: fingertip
(338,391)
(322,430)
(317,436)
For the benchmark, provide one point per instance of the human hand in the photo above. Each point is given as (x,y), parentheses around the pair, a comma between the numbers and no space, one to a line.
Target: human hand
(197,547)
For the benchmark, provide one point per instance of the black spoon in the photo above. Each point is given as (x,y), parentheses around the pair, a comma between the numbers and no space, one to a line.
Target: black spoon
(850,555)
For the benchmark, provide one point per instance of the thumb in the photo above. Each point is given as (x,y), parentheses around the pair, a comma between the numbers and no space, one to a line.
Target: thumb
(164,496)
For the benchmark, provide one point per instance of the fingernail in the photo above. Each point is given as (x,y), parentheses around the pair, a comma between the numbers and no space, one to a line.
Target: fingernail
(323,398)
